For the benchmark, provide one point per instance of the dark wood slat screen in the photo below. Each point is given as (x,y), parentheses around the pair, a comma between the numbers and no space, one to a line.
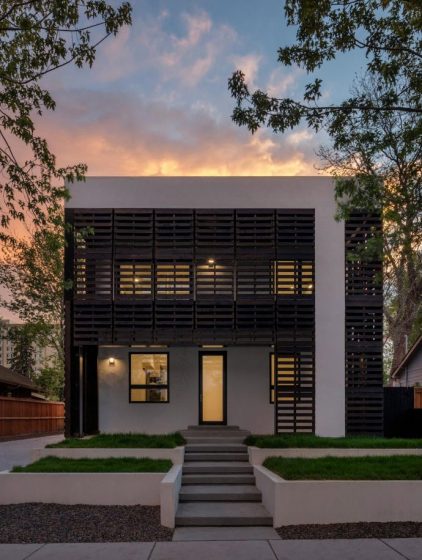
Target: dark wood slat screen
(214,233)
(295,322)
(364,324)
(200,277)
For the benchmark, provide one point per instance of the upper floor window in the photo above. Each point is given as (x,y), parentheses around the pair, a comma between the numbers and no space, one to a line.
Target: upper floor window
(134,279)
(293,277)
(173,279)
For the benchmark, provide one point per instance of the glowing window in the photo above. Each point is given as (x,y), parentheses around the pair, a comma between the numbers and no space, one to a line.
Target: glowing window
(149,378)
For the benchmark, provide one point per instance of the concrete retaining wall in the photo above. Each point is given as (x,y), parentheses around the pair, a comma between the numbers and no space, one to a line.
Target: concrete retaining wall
(169,495)
(175,455)
(338,501)
(81,488)
(258,455)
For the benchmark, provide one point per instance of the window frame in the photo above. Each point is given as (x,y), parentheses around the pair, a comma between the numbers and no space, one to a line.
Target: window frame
(272,387)
(137,386)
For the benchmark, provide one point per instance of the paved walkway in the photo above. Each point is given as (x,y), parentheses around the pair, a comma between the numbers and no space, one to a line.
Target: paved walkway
(359,549)
(18,451)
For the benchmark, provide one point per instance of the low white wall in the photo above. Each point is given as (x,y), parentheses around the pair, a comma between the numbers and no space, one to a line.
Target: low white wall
(169,496)
(81,488)
(175,455)
(258,455)
(338,501)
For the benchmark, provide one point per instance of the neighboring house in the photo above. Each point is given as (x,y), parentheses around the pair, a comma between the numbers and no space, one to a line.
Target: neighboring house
(16,385)
(220,301)
(409,371)
(42,354)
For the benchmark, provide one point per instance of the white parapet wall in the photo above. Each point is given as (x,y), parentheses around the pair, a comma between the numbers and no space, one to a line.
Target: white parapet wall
(81,488)
(175,455)
(169,495)
(338,501)
(258,455)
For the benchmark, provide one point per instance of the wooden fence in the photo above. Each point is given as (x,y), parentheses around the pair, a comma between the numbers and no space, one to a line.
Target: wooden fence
(19,417)
(418,397)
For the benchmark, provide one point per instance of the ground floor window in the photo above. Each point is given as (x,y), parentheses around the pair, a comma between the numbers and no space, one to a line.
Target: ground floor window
(286,370)
(149,377)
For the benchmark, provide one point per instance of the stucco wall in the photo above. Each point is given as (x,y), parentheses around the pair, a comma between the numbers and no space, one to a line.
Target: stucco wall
(247,392)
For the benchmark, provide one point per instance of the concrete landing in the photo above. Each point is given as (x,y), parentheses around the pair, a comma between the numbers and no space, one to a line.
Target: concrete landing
(225,534)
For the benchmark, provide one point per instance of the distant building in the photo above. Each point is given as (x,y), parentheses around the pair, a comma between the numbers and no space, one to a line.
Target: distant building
(41,354)
(409,371)
(14,384)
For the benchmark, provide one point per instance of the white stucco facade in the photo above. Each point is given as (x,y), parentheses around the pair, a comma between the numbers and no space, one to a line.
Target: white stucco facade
(247,367)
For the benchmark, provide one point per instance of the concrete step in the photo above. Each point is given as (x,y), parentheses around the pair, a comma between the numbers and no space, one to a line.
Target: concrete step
(213,440)
(220,493)
(214,456)
(224,437)
(218,514)
(193,479)
(217,467)
(208,427)
(221,447)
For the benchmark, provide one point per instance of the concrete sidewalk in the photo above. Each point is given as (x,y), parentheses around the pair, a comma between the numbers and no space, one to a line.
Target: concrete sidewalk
(358,549)
(18,451)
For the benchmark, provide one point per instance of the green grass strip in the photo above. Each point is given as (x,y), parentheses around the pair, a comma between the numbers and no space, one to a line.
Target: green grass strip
(399,467)
(301,440)
(109,465)
(166,441)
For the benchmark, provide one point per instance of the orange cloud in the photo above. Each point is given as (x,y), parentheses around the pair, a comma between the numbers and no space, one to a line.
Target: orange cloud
(123,135)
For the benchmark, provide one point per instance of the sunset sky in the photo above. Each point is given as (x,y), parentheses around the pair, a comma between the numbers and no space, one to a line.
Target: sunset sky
(156,100)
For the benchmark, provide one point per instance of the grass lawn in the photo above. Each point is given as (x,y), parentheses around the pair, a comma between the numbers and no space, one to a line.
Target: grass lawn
(109,465)
(166,441)
(303,440)
(405,467)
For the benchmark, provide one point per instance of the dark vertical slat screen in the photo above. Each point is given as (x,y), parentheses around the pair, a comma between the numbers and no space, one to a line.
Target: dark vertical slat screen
(364,323)
(295,323)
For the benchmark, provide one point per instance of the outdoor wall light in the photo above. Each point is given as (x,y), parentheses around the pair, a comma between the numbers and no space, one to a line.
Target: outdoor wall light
(211,261)
(111,361)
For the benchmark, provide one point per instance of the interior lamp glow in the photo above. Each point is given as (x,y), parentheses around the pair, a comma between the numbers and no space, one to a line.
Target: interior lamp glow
(111,361)
(211,261)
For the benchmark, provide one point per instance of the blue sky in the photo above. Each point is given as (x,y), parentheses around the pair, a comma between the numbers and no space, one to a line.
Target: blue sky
(156,101)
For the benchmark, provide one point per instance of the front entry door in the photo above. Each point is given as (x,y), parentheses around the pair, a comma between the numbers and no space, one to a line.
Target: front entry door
(212,388)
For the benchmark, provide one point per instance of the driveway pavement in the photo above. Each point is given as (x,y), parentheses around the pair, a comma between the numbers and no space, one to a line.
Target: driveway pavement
(359,549)
(18,451)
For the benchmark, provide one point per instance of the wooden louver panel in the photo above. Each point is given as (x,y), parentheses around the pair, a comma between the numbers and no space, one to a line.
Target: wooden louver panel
(92,323)
(364,326)
(255,232)
(294,394)
(134,232)
(93,230)
(214,233)
(215,280)
(174,233)
(254,279)
(133,322)
(295,233)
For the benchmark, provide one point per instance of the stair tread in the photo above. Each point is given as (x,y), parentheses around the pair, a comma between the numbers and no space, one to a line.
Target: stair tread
(219,478)
(217,464)
(221,509)
(220,489)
